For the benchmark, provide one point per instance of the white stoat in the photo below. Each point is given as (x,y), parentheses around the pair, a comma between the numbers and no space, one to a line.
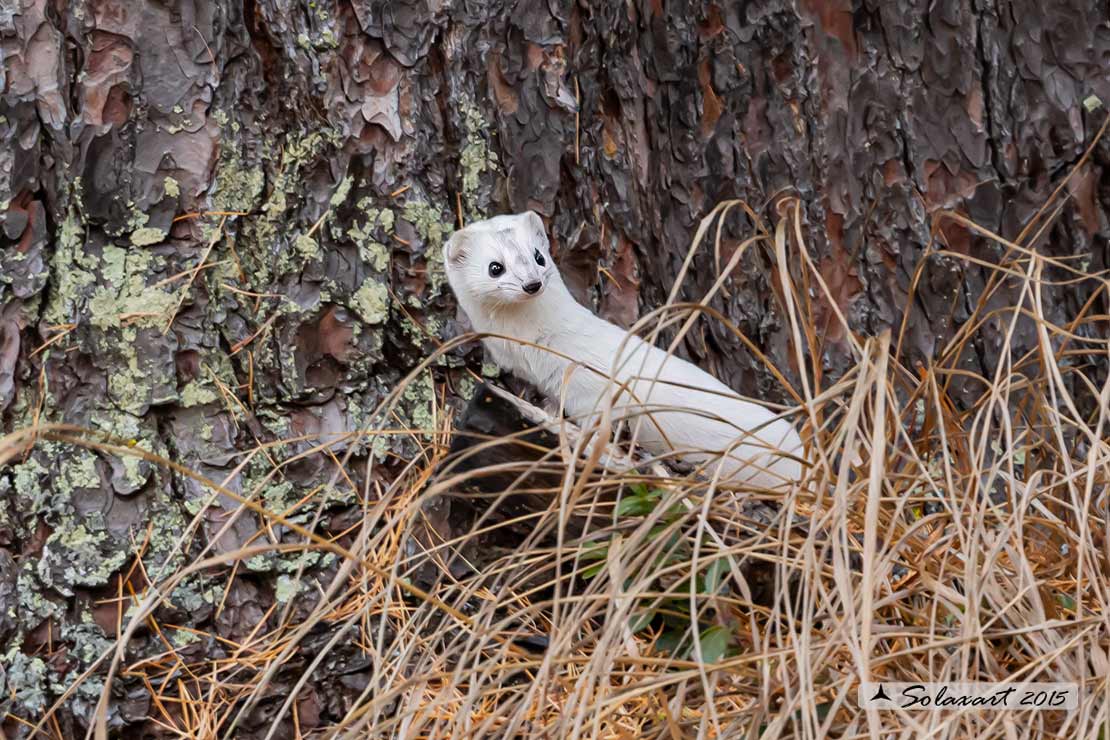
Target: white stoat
(505,280)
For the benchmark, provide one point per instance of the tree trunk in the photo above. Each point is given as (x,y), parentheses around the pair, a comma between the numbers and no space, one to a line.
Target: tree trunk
(222,226)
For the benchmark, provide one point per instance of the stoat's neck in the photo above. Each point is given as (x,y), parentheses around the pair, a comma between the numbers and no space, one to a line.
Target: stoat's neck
(546,315)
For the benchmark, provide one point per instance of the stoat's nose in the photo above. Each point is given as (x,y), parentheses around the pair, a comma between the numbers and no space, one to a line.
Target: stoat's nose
(533,287)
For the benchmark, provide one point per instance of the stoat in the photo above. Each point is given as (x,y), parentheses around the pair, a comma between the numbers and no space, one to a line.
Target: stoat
(505,281)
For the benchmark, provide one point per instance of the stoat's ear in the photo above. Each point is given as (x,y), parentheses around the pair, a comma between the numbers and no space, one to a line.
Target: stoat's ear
(535,223)
(534,220)
(455,249)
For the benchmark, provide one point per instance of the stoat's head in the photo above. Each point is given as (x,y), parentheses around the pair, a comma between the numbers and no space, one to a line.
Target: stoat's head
(502,260)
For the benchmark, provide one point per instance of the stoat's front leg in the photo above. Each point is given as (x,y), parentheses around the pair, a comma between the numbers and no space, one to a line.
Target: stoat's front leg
(498,351)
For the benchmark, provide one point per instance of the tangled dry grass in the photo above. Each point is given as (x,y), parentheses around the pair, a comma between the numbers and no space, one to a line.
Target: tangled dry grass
(927,543)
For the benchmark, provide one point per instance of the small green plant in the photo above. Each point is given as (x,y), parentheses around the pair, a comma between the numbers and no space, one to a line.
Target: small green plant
(670,616)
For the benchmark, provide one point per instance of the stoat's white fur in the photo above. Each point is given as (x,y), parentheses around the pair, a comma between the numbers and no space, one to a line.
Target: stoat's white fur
(695,413)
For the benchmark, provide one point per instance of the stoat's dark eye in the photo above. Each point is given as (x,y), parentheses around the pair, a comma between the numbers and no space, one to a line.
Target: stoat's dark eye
(539,259)
(495,269)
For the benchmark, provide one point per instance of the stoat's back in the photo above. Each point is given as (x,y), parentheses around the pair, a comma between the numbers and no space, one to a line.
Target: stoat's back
(679,406)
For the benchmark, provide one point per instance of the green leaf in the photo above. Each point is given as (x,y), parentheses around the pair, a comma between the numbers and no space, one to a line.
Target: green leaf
(641,621)
(714,643)
(595,551)
(674,513)
(714,574)
(670,641)
(640,502)
(673,617)
(593,570)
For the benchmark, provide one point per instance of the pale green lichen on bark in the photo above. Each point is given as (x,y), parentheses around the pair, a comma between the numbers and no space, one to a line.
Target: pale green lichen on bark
(198,393)
(417,407)
(87,639)
(341,192)
(430,328)
(28,482)
(80,556)
(428,222)
(466,386)
(80,470)
(129,297)
(70,269)
(279,498)
(371,251)
(147,235)
(33,606)
(26,679)
(129,385)
(371,301)
(182,638)
(306,246)
(415,411)
(293,502)
(163,557)
(122,424)
(239,188)
(196,591)
(286,588)
(80,550)
(298,151)
(476,156)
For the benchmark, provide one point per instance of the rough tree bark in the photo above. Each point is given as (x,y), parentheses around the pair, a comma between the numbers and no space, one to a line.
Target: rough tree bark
(337,143)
